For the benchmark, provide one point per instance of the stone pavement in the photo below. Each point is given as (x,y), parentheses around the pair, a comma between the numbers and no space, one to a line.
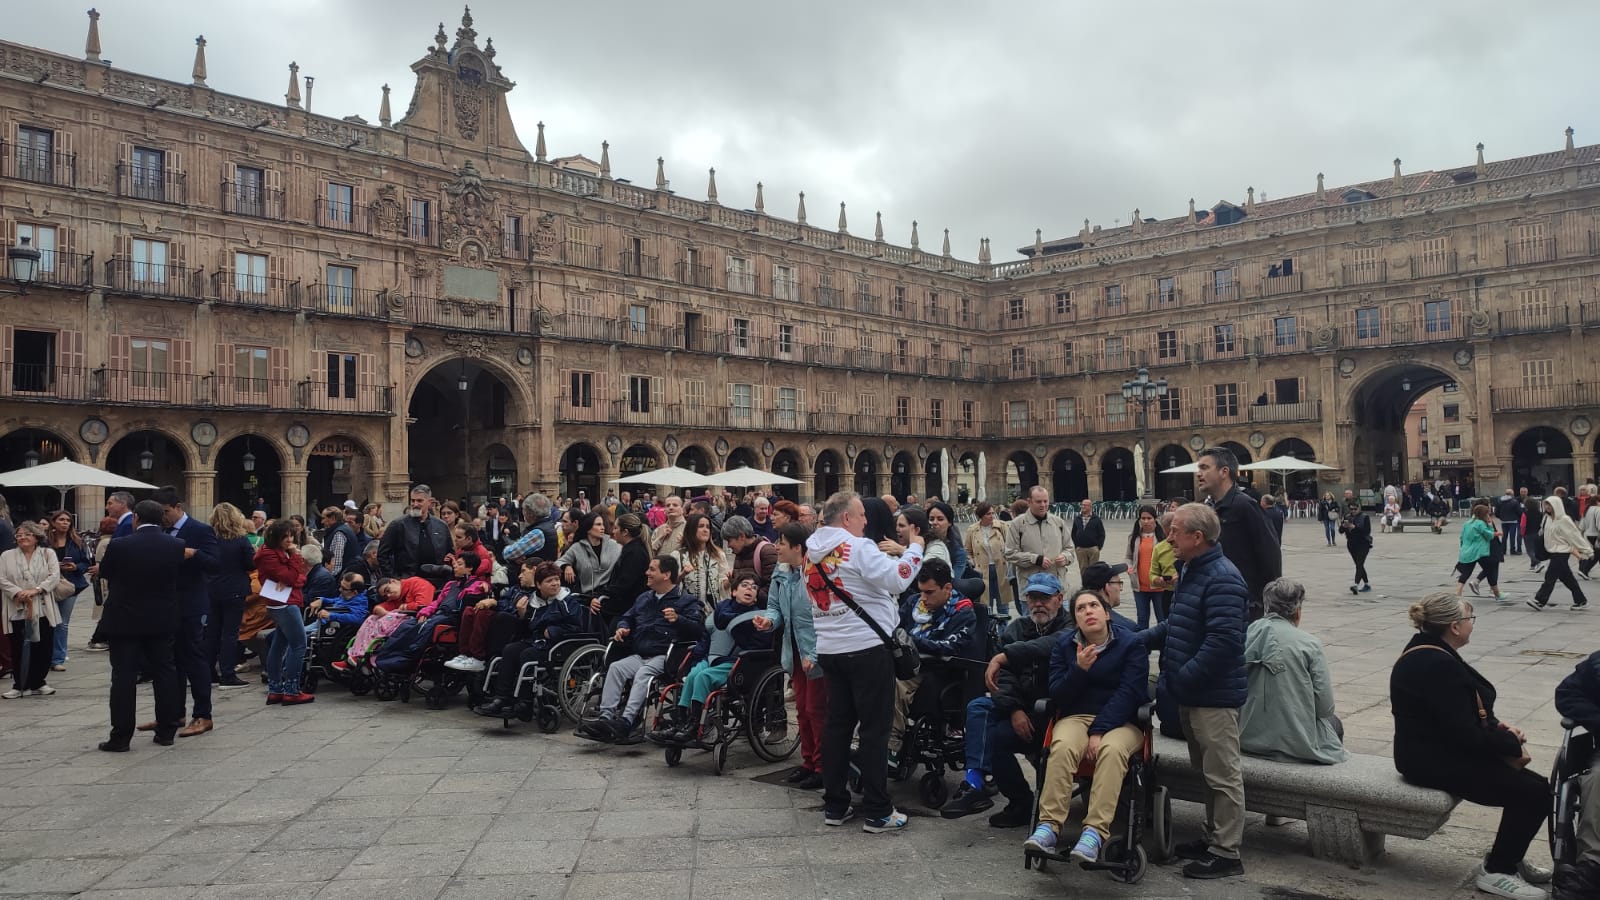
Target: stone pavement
(352,798)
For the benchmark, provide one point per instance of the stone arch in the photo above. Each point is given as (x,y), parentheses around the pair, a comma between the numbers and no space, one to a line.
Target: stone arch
(742,456)
(640,456)
(903,475)
(1541,472)
(1118,479)
(1168,487)
(828,474)
(868,467)
(789,462)
(456,406)
(1069,474)
(184,446)
(1021,475)
(518,384)
(695,458)
(1377,406)
(578,469)
(1299,485)
(49,445)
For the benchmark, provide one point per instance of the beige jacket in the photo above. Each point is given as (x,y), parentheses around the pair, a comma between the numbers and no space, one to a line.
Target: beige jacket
(1029,538)
(18,573)
(982,555)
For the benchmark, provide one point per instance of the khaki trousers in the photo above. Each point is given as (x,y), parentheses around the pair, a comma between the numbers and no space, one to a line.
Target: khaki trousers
(1087,556)
(1067,743)
(904,690)
(1213,737)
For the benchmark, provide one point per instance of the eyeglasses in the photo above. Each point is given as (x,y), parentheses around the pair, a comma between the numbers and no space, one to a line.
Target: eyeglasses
(1467,619)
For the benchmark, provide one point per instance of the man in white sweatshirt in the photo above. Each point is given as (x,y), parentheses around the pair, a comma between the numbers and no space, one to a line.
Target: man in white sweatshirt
(858,664)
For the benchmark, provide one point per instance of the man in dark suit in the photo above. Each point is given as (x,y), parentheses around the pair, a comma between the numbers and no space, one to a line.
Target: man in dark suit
(194,601)
(139,621)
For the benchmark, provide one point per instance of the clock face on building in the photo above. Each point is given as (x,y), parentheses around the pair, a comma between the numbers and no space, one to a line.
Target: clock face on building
(203,433)
(1463,357)
(93,431)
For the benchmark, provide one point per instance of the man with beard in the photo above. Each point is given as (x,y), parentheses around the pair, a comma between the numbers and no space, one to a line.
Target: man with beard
(1003,724)
(416,544)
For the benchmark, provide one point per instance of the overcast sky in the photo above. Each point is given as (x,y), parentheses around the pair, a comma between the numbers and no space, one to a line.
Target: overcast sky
(989,119)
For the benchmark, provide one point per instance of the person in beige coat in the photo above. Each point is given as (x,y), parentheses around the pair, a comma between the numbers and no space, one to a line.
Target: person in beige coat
(28,576)
(986,552)
(1039,541)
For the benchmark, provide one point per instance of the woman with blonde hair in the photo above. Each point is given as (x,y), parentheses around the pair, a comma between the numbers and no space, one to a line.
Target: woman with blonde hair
(228,587)
(28,576)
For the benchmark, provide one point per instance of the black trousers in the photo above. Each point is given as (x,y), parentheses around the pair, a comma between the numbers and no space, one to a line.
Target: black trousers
(1560,570)
(1523,797)
(512,658)
(503,629)
(194,667)
(1358,555)
(861,690)
(151,654)
(222,634)
(38,667)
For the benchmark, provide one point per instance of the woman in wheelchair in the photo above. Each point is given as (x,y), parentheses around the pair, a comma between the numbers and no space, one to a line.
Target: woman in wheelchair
(941,623)
(546,613)
(733,634)
(1099,676)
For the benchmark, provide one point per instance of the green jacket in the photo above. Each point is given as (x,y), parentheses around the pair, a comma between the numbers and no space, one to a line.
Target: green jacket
(1475,538)
(1289,712)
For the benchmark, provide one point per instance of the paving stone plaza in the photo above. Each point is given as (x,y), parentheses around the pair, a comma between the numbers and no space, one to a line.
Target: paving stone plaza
(353,798)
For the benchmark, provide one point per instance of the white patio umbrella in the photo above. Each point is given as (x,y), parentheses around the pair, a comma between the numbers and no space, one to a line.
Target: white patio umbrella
(671,476)
(748,477)
(1283,465)
(1188,468)
(64,475)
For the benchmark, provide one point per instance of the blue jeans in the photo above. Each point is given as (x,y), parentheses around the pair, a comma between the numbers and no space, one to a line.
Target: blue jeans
(58,650)
(1513,533)
(287,654)
(1146,603)
(1330,528)
(992,747)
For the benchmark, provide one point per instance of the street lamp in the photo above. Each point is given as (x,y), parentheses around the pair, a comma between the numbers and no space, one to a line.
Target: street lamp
(1541,447)
(30,459)
(1143,391)
(24,263)
(248,460)
(147,460)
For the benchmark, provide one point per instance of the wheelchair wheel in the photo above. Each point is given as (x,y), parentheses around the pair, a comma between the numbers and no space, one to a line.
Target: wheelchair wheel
(674,756)
(438,696)
(719,755)
(774,729)
(1133,864)
(576,673)
(360,685)
(549,719)
(1160,834)
(385,689)
(933,790)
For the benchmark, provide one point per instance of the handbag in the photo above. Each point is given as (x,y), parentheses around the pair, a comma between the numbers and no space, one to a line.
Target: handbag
(907,662)
(1515,762)
(64,590)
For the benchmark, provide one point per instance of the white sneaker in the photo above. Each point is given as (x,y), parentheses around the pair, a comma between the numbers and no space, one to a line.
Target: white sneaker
(1533,874)
(472,664)
(459,663)
(1507,886)
(11,694)
(45,691)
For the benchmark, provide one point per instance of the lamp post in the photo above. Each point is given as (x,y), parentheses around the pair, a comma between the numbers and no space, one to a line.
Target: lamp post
(23,261)
(1143,391)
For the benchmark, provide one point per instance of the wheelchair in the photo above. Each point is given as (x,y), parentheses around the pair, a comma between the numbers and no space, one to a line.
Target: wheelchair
(935,734)
(1144,809)
(429,676)
(543,691)
(1578,746)
(752,702)
(324,647)
(677,665)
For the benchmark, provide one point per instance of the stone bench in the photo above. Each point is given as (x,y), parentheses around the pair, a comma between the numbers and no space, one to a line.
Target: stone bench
(1400,525)
(1348,808)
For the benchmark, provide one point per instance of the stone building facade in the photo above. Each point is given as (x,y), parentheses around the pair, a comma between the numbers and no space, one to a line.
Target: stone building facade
(255,301)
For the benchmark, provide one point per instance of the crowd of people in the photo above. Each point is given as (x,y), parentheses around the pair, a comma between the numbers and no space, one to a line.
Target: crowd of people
(867,596)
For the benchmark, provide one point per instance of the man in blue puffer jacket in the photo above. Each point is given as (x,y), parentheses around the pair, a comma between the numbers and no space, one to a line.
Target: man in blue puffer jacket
(1203,670)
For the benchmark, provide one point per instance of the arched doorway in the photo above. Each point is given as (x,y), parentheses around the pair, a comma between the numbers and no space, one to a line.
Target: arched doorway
(967,478)
(580,471)
(1245,458)
(695,459)
(1541,459)
(28,447)
(337,469)
(933,477)
(1117,478)
(743,458)
(1299,485)
(249,473)
(1391,425)
(458,411)
(900,475)
(830,466)
(154,458)
(1171,487)
(867,470)
(640,458)
(1022,473)
(786,462)
(1070,475)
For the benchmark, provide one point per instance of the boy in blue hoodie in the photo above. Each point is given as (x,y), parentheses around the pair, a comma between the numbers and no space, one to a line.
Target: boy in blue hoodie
(732,635)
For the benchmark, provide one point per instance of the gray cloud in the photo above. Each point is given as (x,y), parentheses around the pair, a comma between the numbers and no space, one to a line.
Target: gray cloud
(989,119)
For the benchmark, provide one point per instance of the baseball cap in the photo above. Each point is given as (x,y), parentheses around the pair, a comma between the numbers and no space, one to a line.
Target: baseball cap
(1101,573)
(350,504)
(1042,583)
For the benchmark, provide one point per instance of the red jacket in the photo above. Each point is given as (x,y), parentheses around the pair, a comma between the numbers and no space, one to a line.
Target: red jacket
(485,561)
(284,568)
(415,593)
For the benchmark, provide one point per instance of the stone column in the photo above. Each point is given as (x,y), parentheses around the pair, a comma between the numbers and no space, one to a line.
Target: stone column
(199,492)
(292,489)
(1490,476)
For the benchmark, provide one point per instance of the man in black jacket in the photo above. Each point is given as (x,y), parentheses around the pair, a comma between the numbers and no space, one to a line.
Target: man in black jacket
(1003,724)
(1508,509)
(1578,698)
(139,621)
(416,543)
(194,602)
(1248,540)
(1088,536)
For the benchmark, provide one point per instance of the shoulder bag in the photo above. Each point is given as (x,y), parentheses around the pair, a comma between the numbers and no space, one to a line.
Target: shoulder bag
(907,662)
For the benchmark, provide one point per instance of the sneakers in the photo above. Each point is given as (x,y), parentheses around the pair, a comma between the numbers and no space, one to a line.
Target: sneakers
(1355,589)
(967,800)
(1213,866)
(98,646)
(1088,847)
(1472,585)
(45,691)
(1536,605)
(836,819)
(1043,840)
(234,682)
(1366,587)
(1533,874)
(811,782)
(1501,885)
(796,775)
(11,694)
(1015,815)
(1580,607)
(894,821)
(465,663)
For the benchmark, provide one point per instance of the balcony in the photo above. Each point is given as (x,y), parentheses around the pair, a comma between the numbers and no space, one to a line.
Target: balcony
(1375,272)
(829,297)
(1047,426)
(422,230)
(867,302)
(1275,285)
(578,327)
(252,201)
(744,282)
(1523,253)
(1304,411)
(67,270)
(1432,265)
(188,390)
(459,314)
(936,315)
(1421,328)
(127,276)
(584,256)
(637,265)
(341,216)
(153,184)
(584,408)
(257,291)
(1553,396)
(1591,313)
(1276,341)
(1532,320)
(1219,293)
(38,165)
(345,301)
(694,275)
(1168,298)
(785,289)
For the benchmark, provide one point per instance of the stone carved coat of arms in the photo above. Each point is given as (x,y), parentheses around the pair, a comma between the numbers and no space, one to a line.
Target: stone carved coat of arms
(469,215)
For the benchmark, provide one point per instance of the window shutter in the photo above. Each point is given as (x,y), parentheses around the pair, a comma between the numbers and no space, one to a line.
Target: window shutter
(657,393)
(7,339)
(1272,391)
(278,290)
(175,177)
(800,410)
(367,392)
(272,183)
(69,352)
(121,362)
(222,383)
(1100,406)
(279,387)
(122,177)
(230,185)
(1302,394)
(730,396)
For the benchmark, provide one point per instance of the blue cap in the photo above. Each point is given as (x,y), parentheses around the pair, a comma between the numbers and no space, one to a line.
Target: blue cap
(1042,583)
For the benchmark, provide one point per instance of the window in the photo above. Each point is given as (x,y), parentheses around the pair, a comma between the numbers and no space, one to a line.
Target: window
(1222,338)
(829,401)
(148,362)
(935,350)
(1166,290)
(1366,263)
(741,400)
(899,298)
(250,274)
(1286,390)
(35,154)
(1019,359)
(1452,412)
(250,370)
(1422,425)
(1452,443)
(43,239)
(694,394)
(419,223)
(33,361)
(969,412)
(741,334)
(783,283)
(902,411)
(965,307)
(1113,352)
(341,287)
(638,318)
(639,393)
(1436,316)
(902,352)
(1113,294)
(582,395)
(341,206)
(1063,303)
(249,191)
(1166,345)
(1014,311)
(1534,302)
(1017,414)
(1227,400)
(1538,374)
(342,375)
(785,338)
(1450,387)
(1282,269)
(1171,407)
(933,305)
(1368,323)
(936,413)
(148,174)
(867,404)
(1284,332)
(1222,284)
(1066,410)
(1066,356)
(788,406)
(825,334)
(1424,449)
(150,262)
(513,234)
(740,277)
(1116,409)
